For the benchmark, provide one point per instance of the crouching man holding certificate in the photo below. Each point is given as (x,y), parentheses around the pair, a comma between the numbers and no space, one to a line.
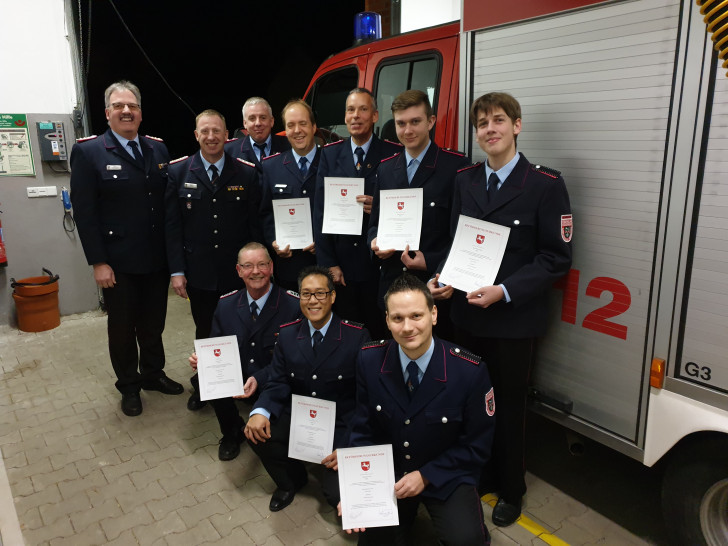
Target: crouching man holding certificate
(314,357)
(433,402)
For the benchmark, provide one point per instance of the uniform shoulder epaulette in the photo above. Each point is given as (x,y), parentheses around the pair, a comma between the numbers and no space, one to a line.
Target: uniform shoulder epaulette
(291,323)
(231,140)
(274,155)
(294,294)
(453,152)
(552,173)
(373,344)
(229,294)
(333,143)
(178,159)
(84,139)
(470,167)
(154,138)
(465,355)
(357,325)
(248,163)
(395,143)
(390,157)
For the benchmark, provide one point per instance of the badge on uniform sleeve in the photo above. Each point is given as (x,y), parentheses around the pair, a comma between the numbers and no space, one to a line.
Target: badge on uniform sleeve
(567,227)
(490,403)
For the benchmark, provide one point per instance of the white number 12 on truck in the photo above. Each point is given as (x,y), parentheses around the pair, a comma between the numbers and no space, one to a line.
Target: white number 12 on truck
(628,100)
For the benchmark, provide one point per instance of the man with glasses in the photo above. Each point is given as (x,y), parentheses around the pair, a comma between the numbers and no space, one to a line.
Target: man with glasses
(253,314)
(212,204)
(315,357)
(117,190)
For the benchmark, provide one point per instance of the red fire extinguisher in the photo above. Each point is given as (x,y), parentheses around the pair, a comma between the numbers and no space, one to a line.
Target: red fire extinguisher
(3,256)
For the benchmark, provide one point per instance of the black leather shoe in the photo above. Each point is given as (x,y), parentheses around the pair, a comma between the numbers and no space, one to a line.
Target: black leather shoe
(505,513)
(131,404)
(164,385)
(281,499)
(194,403)
(229,448)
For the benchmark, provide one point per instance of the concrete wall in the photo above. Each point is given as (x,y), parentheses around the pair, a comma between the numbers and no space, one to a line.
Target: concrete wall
(35,238)
(43,86)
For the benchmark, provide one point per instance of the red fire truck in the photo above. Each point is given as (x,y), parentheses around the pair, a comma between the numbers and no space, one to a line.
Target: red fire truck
(626,99)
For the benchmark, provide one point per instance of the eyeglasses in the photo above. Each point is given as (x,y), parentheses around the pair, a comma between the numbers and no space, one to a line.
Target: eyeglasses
(319,294)
(263,266)
(133,106)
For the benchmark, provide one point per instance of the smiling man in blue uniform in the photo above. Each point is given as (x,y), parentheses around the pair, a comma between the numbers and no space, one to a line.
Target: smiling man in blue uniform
(434,403)
(260,142)
(117,189)
(288,175)
(314,357)
(502,321)
(212,205)
(348,256)
(254,315)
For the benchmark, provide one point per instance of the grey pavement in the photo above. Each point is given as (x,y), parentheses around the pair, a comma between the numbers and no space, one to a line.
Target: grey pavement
(76,471)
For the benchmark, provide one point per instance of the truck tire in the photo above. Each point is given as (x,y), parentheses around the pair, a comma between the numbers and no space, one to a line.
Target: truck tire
(695,493)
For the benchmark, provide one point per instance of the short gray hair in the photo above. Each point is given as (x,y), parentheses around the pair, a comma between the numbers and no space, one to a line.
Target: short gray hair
(252,101)
(123,85)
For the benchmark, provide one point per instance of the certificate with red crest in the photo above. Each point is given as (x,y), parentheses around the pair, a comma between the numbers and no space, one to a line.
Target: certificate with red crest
(366,484)
(475,255)
(292,219)
(313,421)
(218,367)
(343,215)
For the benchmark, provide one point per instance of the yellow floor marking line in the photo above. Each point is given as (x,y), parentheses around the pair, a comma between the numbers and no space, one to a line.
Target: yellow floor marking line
(529,525)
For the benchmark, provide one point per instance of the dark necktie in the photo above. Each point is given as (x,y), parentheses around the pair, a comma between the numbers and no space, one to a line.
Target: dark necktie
(493,182)
(254,310)
(317,339)
(359,153)
(261,147)
(214,174)
(413,380)
(302,166)
(136,153)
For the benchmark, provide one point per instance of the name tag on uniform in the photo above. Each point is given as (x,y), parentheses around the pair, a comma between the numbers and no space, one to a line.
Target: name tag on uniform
(281,185)
(113,167)
(190,186)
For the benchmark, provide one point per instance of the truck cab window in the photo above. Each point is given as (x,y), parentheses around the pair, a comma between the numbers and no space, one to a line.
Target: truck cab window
(403,74)
(328,100)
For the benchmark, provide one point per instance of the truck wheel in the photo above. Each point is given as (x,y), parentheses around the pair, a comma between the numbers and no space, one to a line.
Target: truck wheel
(695,493)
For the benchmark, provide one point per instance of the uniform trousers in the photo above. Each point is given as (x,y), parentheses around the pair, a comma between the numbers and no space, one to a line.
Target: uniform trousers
(202,305)
(228,416)
(509,364)
(137,310)
(458,520)
(290,474)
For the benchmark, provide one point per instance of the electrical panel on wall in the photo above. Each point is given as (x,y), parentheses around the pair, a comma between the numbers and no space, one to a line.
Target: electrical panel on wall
(52,138)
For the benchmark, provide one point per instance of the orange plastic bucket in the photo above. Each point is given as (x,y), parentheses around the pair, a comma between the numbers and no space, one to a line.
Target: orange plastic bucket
(36,302)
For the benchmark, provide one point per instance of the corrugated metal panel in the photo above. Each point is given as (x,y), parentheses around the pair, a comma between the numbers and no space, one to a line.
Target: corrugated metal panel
(595,87)
(705,340)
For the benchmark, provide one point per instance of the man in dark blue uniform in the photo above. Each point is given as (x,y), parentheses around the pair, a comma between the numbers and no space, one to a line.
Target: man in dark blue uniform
(253,314)
(117,190)
(260,142)
(315,357)
(434,403)
(289,175)
(423,164)
(213,203)
(348,256)
(502,321)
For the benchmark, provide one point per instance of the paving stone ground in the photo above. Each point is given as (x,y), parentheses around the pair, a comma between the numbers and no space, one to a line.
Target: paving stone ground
(78,472)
